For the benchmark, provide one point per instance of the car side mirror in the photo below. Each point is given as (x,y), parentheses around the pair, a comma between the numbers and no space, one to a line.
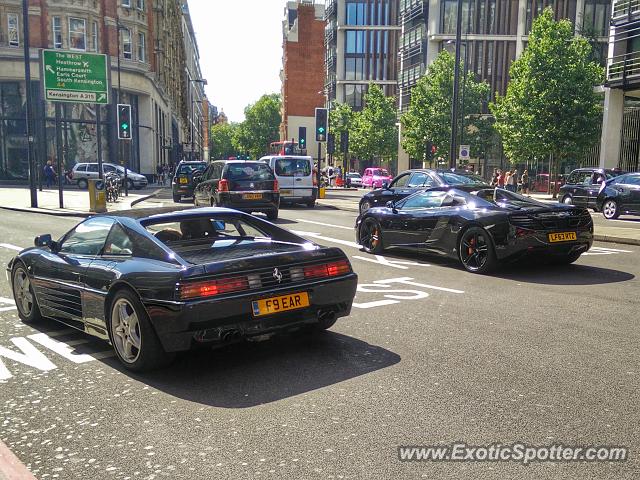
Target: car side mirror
(385,185)
(390,204)
(44,241)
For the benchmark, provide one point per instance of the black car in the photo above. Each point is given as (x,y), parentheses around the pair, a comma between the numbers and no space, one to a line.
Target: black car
(412,181)
(583,185)
(246,185)
(619,196)
(183,183)
(159,281)
(480,229)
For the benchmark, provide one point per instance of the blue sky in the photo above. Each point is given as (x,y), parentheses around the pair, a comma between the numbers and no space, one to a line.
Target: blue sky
(240,45)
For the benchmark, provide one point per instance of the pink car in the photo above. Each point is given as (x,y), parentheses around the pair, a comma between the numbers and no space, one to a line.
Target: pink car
(374,177)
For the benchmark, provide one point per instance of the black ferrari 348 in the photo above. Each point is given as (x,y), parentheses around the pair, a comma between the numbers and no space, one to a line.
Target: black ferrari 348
(158,282)
(480,228)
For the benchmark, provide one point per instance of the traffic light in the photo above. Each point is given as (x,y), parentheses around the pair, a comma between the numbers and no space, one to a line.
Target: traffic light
(302,138)
(321,124)
(344,142)
(124,121)
(331,144)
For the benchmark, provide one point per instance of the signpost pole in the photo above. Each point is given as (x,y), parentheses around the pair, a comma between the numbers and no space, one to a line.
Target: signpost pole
(59,154)
(99,138)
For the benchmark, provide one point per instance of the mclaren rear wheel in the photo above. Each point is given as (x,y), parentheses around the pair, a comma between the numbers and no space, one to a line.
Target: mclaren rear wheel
(476,251)
(371,236)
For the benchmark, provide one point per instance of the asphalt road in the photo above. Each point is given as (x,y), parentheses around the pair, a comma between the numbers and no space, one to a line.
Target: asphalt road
(430,355)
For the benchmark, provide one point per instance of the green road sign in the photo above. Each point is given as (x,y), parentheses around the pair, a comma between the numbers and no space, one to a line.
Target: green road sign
(75,77)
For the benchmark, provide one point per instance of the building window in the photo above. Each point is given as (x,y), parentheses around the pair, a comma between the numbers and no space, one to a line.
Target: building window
(142,47)
(127,48)
(357,13)
(57,32)
(77,34)
(126,3)
(140,4)
(94,36)
(13,32)
(353,95)
(355,41)
(596,17)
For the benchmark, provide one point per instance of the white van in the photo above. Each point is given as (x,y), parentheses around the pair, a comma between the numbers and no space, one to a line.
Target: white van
(295,178)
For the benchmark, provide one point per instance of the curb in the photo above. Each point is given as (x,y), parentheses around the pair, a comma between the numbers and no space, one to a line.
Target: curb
(612,239)
(59,213)
(11,468)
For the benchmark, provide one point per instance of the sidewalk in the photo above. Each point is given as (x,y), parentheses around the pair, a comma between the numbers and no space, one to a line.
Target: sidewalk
(76,202)
(630,235)
(11,468)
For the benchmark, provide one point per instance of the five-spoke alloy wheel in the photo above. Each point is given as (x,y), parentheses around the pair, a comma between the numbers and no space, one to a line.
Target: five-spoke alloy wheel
(23,295)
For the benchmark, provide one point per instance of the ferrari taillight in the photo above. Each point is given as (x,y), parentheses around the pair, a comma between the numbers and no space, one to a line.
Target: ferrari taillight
(333,269)
(210,288)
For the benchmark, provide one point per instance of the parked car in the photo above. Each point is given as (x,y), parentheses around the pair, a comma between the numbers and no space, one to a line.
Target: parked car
(82,172)
(375,177)
(158,281)
(583,186)
(619,196)
(295,178)
(183,182)
(246,185)
(353,179)
(480,229)
(411,181)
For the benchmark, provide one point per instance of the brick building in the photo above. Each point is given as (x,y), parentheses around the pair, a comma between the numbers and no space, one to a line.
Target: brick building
(302,70)
(153,76)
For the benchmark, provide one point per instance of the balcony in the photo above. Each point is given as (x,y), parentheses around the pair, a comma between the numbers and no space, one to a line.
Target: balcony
(330,33)
(412,38)
(623,71)
(410,9)
(625,11)
(330,9)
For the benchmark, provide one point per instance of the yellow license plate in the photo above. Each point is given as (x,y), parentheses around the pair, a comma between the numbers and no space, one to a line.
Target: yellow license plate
(252,196)
(285,192)
(562,237)
(269,306)
(184,180)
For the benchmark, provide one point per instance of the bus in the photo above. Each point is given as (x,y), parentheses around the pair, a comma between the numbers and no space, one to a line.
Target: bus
(286,147)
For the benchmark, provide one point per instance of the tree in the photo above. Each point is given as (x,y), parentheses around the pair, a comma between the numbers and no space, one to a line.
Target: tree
(550,109)
(340,120)
(260,127)
(222,140)
(374,133)
(429,116)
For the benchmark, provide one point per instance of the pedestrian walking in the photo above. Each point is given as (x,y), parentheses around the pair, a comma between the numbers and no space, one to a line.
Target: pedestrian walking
(494,178)
(513,181)
(158,173)
(525,182)
(501,179)
(49,174)
(165,172)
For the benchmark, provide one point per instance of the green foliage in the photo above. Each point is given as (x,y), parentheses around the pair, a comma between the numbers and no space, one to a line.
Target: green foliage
(222,141)
(340,120)
(550,107)
(260,127)
(429,115)
(374,133)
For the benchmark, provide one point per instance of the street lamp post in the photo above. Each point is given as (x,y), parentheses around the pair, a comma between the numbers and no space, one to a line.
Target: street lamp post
(120,27)
(453,154)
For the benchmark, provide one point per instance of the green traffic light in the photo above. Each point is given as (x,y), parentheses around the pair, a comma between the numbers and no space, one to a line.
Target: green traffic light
(321,130)
(125,126)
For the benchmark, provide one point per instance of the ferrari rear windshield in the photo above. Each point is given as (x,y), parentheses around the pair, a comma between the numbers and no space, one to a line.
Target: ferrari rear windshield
(204,229)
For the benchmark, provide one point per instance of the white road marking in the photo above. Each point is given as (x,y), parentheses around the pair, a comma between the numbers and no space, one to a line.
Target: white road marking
(7,301)
(611,249)
(11,247)
(408,281)
(326,239)
(28,355)
(7,309)
(378,303)
(62,349)
(605,251)
(325,224)
(379,259)
(396,296)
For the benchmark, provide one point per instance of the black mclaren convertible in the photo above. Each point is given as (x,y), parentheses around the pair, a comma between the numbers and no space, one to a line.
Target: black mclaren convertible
(480,228)
(158,282)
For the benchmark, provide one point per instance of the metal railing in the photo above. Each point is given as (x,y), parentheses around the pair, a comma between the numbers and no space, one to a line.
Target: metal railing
(623,67)
(330,32)
(412,38)
(625,8)
(330,9)
(411,75)
(410,9)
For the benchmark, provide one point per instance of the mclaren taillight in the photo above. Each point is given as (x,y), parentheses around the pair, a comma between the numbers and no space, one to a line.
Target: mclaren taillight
(210,288)
(223,185)
(333,269)
(524,232)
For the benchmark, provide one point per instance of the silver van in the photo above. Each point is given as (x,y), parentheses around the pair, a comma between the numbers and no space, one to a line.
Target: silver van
(295,178)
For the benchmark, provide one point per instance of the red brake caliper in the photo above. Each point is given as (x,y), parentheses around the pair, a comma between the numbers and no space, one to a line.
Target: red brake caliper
(471,245)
